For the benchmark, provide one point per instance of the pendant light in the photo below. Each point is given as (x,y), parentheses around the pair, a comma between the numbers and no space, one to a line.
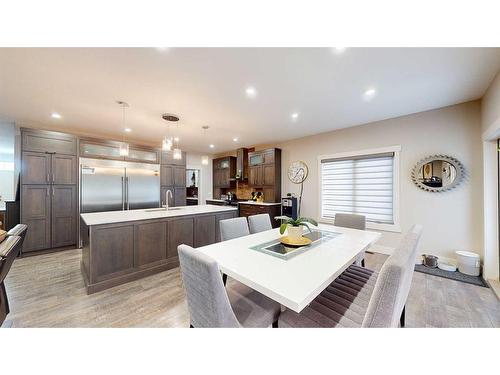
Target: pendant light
(168,142)
(177,151)
(123,146)
(204,158)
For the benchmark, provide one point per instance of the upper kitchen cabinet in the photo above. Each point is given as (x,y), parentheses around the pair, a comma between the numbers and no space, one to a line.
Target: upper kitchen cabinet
(224,171)
(167,157)
(242,163)
(145,155)
(102,149)
(48,142)
(264,173)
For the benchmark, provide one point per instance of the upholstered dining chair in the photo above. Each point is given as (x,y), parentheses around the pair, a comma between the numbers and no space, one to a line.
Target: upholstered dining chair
(9,249)
(19,230)
(213,306)
(259,223)
(360,297)
(352,221)
(230,229)
(233,228)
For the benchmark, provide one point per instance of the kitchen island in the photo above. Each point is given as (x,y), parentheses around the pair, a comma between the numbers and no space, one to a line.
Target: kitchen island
(121,246)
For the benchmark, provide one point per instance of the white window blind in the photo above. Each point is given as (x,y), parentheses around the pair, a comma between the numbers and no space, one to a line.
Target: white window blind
(360,185)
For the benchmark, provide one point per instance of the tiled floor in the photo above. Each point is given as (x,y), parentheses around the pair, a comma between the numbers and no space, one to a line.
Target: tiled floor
(48,291)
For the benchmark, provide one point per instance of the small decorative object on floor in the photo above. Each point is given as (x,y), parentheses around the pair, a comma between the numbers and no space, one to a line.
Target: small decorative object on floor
(469,263)
(445,266)
(430,261)
(295,226)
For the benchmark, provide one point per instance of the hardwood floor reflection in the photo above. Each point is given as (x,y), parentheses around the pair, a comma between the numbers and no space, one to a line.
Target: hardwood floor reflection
(48,291)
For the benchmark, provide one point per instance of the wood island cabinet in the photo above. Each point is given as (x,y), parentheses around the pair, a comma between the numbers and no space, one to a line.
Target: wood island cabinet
(113,254)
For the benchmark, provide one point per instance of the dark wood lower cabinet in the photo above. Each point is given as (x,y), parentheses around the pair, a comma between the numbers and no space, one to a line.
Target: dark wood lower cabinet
(116,251)
(150,243)
(113,254)
(35,213)
(63,215)
(255,209)
(180,231)
(205,230)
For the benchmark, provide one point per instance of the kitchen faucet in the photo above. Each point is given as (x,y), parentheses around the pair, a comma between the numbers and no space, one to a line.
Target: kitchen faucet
(165,206)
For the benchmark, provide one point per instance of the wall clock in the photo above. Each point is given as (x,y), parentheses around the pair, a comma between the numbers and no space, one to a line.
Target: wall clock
(297,172)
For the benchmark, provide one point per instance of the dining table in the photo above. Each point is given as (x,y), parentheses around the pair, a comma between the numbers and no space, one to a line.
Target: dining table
(291,276)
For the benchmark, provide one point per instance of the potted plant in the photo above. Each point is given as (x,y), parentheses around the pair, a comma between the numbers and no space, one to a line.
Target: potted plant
(295,226)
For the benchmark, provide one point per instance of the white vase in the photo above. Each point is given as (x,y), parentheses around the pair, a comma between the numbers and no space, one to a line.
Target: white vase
(294,233)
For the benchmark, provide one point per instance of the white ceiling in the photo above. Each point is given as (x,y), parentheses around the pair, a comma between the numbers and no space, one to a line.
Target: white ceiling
(206,86)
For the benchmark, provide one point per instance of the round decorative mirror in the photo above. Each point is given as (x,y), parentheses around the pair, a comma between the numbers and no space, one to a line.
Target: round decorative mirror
(437,173)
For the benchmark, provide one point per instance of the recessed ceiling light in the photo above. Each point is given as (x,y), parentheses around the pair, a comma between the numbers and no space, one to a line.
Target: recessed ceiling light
(235,139)
(339,50)
(55,115)
(294,116)
(128,130)
(369,94)
(212,146)
(162,49)
(251,92)
(176,139)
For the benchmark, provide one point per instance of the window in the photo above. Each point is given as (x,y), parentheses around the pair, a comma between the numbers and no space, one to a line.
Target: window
(365,183)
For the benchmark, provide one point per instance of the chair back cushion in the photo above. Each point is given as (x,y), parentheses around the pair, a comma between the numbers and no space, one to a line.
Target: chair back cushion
(233,228)
(259,223)
(393,283)
(208,304)
(9,249)
(19,230)
(352,221)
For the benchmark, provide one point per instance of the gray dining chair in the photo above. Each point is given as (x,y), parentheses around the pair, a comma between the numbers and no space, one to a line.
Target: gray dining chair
(230,229)
(9,249)
(233,228)
(19,230)
(213,306)
(352,221)
(360,297)
(259,223)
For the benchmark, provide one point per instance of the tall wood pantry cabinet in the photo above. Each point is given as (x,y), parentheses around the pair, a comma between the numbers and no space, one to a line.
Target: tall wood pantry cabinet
(49,189)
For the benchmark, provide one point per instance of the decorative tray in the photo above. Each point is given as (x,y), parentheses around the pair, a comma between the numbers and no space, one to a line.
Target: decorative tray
(280,250)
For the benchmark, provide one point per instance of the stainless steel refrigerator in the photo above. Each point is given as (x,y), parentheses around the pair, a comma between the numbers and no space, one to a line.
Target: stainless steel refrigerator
(107,185)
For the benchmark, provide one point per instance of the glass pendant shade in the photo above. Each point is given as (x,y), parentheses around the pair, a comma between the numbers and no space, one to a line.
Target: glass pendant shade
(123,149)
(177,154)
(166,144)
(204,160)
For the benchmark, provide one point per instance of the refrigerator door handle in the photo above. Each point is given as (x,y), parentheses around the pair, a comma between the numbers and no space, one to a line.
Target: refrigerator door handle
(126,186)
(123,194)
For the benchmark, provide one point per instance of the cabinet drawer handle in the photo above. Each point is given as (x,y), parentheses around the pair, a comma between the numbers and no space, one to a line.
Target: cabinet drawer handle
(48,178)
(53,178)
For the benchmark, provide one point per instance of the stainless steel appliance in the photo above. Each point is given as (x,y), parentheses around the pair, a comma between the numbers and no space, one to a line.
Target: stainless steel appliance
(108,185)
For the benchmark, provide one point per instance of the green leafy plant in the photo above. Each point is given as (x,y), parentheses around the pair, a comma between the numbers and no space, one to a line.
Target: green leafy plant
(301,221)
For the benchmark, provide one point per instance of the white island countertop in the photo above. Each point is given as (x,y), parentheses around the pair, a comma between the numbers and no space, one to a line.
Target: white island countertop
(110,217)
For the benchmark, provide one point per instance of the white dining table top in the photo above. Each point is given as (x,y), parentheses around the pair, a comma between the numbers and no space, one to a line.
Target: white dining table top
(293,282)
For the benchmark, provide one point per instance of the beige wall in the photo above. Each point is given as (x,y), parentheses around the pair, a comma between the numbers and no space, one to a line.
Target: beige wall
(452,220)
